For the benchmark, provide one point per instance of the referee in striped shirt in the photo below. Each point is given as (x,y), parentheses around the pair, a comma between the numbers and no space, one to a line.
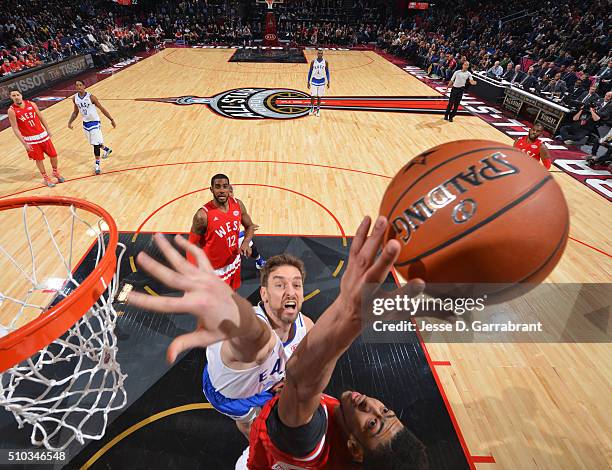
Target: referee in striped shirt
(457,86)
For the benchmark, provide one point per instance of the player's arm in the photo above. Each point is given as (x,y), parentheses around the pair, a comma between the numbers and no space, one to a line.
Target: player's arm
(310,368)
(249,230)
(95,101)
(545,156)
(255,346)
(308,323)
(310,73)
(472,81)
(327,75)
(198,231)
(42,119)
(13,120)
(75,113)
(221,313)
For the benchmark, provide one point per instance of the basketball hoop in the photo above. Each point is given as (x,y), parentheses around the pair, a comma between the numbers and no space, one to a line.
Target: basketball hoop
(58,350)
(270,3)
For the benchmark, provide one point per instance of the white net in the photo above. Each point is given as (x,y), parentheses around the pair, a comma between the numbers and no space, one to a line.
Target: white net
(66,390)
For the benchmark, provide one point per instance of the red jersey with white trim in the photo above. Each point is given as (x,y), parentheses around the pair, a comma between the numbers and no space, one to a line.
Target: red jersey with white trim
(29,123)
(221,240)
(530,148)
(330,454)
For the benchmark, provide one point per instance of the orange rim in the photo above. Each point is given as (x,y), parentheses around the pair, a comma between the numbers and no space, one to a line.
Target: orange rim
(50,325)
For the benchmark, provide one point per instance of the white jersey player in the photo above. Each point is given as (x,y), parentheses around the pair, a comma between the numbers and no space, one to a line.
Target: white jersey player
(238,388)
(87,105)
(318,77)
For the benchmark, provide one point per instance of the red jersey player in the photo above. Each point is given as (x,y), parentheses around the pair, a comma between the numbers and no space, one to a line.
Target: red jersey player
(216,229)
(533,146)
(33,132)
(300,428)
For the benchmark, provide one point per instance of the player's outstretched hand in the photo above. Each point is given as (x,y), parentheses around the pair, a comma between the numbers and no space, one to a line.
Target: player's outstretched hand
(366,271)
(70,125)
(205,295)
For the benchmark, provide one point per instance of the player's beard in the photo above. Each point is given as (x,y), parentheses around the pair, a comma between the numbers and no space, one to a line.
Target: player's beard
(287,317)
(219,202)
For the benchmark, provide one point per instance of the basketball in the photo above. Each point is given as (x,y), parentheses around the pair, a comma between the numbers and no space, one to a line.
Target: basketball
(476,211)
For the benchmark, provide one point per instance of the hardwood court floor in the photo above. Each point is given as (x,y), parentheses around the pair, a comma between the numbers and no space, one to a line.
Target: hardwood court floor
(527,405)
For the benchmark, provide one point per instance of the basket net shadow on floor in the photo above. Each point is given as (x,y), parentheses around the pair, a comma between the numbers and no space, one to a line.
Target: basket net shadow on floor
(397,374)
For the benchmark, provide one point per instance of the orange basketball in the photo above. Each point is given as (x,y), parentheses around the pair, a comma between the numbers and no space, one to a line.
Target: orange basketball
(476,211)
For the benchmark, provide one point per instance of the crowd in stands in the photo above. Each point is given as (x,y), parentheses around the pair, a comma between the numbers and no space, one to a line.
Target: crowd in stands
(550,46)
(43,31)
(493,36)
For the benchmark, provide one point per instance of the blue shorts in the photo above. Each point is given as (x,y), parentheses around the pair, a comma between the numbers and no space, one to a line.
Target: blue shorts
(239,409)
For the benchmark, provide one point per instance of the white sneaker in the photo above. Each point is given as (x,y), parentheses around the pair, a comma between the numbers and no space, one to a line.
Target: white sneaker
(318,113)
(311,112)
(107,152)
(97,169)
(241,463)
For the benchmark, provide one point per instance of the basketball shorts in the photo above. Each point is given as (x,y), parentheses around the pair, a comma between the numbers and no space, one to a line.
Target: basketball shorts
(242,410)
(231,273)
(234,280)
(93,132)
(317,90)
(39,150)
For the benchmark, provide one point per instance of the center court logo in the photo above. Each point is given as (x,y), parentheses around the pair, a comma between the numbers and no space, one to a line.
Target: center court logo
(284,103)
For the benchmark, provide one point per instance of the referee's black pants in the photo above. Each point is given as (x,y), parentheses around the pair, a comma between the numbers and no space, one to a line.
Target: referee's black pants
(453,102)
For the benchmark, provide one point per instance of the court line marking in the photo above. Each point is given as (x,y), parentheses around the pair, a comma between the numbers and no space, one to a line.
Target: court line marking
(321,205)
(445,399)
(591,247)
(338,268)
(150,291)
(277,71)
(312,294)
(141,424)
(441,363)
(199,162)
(482,458)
